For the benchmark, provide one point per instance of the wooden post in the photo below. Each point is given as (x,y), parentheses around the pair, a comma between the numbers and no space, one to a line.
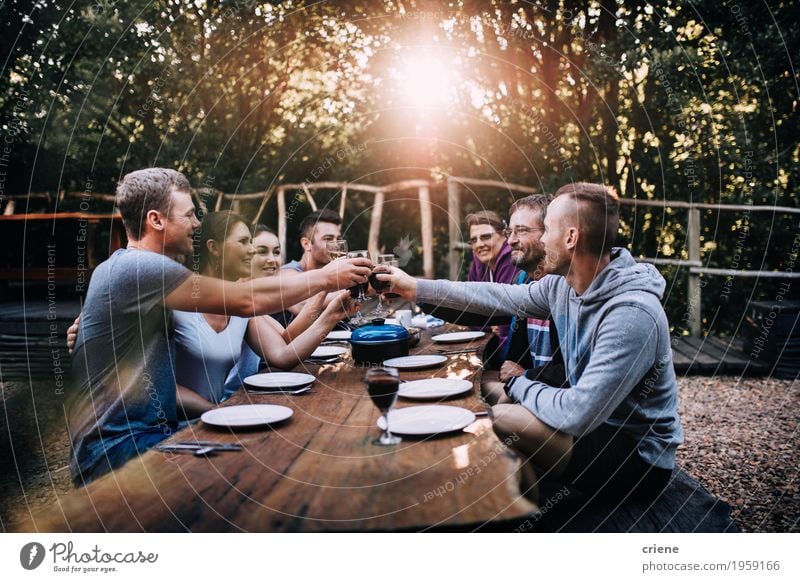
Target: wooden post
(695,297)
(262,206)
(311,200)
(454,224)
(375,225)
(200,204)
(343,201)
(426,218)
(282,222)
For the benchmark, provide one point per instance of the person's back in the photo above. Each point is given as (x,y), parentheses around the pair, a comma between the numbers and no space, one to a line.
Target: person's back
(124,385)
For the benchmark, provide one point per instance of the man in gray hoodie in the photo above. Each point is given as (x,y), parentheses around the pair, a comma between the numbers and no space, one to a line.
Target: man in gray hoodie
(615,430)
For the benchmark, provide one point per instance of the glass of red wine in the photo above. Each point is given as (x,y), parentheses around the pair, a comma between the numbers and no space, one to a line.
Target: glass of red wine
(359,292)
(381,286)
(382,386)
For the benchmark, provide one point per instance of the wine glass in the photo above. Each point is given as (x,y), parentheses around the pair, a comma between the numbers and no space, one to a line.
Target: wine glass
(381,286)
(359,291)
(337,248)
(382,386)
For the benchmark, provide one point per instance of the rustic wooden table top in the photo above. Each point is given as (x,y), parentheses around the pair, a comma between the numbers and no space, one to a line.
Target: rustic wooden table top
(317,471)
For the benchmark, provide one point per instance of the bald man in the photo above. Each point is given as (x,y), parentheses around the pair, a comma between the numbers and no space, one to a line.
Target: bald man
(615,431)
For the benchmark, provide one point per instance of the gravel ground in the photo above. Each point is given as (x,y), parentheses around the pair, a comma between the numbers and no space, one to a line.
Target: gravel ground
(741,444)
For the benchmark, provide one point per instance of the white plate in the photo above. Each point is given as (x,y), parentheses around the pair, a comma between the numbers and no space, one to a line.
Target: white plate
(427,420)
(457,336)
(324,352)
(339,334)
(279,380)
(415,362)
(434,388)
(391,321)
(247,415)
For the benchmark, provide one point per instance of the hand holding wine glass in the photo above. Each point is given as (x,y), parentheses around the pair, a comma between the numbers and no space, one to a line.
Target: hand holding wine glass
(381,287)
(341,274)
(359,292)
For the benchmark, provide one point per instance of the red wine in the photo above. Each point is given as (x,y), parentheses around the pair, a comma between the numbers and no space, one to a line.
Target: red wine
(379,286)
(383,391)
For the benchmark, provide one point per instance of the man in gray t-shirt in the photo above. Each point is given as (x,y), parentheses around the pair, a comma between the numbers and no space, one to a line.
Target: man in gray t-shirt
(125,341)
(124,395)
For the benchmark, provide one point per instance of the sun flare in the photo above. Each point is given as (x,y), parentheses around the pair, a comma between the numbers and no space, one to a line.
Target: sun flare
(427,81)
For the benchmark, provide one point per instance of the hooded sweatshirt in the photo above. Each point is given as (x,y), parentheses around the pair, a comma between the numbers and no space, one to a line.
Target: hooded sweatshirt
(616,347)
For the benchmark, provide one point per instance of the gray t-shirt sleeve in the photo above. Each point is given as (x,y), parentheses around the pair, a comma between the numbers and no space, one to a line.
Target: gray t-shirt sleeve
(150,277)
(529,300)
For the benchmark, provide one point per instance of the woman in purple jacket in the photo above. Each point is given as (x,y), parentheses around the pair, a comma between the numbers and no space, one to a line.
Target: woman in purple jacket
(491,257)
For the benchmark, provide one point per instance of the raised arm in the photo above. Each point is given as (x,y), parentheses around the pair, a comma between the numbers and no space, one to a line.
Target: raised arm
(484,298)
(309,312)
(190,403)
(265,335)
(265,294)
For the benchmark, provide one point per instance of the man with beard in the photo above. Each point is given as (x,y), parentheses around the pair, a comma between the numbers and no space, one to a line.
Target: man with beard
(533,345)
(615,431)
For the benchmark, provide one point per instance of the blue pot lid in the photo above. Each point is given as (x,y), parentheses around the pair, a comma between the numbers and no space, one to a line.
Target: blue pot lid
(378,332)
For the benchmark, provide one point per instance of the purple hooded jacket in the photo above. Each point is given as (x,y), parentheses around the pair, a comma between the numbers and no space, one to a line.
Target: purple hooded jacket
(504,272)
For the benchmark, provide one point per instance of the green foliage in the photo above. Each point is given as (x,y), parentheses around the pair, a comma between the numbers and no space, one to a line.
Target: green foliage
(676,100)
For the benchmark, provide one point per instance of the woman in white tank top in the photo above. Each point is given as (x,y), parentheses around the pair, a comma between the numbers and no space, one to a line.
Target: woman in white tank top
(213,352)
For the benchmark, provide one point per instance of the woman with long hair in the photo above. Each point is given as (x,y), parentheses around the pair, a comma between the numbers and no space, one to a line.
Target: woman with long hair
(209,356)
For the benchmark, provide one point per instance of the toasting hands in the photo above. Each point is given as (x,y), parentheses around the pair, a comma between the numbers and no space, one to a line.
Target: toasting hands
(401,282)
(346,273)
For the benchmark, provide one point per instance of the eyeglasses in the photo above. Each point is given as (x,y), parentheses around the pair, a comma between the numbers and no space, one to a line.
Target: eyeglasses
(484,238)
(520,231)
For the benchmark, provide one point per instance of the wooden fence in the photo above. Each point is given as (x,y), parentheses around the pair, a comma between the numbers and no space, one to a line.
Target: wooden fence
(455,187)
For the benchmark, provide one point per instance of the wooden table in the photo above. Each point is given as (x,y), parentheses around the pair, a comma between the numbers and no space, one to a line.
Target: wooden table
(317,471)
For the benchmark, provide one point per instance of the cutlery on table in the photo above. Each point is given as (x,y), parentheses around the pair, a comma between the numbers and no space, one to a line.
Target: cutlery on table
(302,390)
(198,448)
(457,352)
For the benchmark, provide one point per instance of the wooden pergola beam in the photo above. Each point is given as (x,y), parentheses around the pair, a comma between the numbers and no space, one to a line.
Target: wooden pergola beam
(375,224)
(426,218)
(282,222)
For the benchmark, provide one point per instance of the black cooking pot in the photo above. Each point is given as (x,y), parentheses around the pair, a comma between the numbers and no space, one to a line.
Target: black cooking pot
(377,341)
